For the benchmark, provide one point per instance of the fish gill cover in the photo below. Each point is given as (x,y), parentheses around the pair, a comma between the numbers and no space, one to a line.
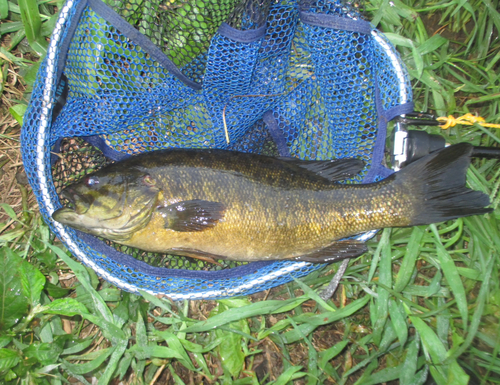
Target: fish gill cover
(309,79)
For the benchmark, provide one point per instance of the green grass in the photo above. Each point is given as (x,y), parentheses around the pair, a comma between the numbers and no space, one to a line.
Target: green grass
(422,304)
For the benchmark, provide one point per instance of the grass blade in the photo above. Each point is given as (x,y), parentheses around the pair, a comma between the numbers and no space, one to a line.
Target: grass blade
(329,317)
(451,273)
(236,314)
(94,362)
(174,343)
(385,276)
(32,25)
(290,374)
(113,362)
(331,353)
(398,321)
(479,308)
(408,263)
(443,374)
(4,9)
(410,365)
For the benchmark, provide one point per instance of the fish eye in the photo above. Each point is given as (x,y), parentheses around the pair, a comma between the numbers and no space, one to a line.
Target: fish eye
(148,181)
(91,181)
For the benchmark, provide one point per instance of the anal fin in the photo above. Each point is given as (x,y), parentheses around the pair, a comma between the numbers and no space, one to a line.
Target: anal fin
(337,251)
(197,254)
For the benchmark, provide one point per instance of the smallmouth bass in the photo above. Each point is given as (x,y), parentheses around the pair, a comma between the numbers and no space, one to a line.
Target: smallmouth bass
(247,207)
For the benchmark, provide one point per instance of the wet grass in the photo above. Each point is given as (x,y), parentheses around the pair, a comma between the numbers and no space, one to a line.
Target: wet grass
(422,306)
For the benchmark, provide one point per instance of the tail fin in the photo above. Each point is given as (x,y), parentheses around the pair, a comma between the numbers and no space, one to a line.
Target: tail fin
(437,182)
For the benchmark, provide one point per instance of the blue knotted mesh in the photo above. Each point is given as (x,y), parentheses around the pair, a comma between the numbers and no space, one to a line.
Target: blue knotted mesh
(309,79)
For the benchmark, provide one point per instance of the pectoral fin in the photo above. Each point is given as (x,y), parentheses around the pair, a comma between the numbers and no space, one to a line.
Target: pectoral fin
(335,252)
(192,215)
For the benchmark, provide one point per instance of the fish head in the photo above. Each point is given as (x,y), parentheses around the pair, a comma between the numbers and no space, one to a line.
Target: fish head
(110,204)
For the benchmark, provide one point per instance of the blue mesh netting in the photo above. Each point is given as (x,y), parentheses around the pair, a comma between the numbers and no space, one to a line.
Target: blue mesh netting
(309,79)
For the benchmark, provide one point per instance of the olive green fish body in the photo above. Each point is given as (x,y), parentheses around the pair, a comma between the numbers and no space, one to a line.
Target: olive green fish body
(265,222)
(247,207)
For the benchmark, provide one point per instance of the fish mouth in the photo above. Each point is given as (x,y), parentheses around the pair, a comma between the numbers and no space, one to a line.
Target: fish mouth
(65,215)
(69,217)
(75,206)
(69,195)
(76,202)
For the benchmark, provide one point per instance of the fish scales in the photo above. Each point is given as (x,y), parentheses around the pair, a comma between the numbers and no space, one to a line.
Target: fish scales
(257,220)
(246,207)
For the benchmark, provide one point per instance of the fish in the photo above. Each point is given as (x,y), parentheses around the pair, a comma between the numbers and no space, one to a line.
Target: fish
(220,204)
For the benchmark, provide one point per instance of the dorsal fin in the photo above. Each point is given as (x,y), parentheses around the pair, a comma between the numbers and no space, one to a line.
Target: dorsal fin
(333,170)
(278,172)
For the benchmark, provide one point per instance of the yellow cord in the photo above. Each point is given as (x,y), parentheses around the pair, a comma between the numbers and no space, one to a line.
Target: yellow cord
(467,119)
(226,131)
